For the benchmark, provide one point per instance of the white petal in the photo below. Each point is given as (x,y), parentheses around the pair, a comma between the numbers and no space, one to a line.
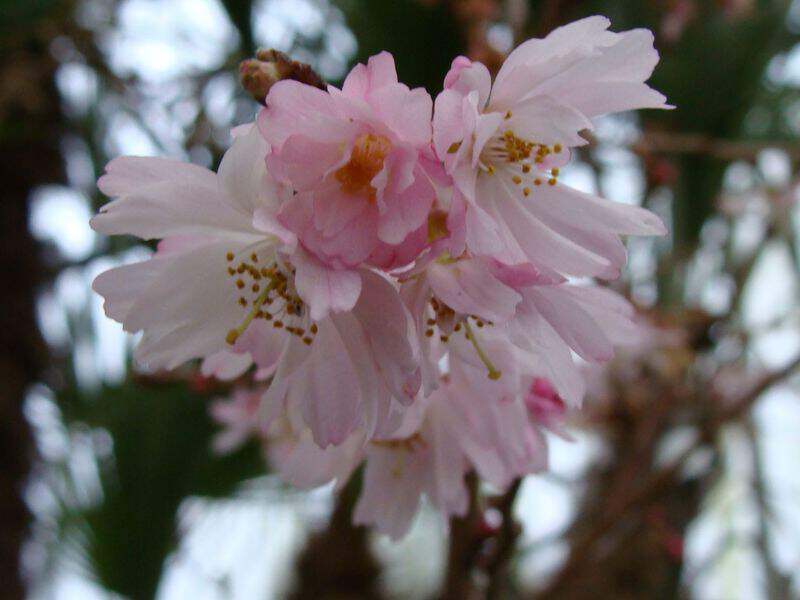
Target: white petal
(243,174)
(541,244)
(184,301)
(169,198)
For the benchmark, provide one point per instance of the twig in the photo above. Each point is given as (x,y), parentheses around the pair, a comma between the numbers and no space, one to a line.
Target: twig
(505,541)
(582,549)
(690,143)
(777,583)
(741,406)
(463,548)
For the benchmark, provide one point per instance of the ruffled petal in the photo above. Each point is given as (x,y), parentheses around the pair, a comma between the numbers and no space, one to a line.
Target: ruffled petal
(468,287)
(159,197)
(325,289)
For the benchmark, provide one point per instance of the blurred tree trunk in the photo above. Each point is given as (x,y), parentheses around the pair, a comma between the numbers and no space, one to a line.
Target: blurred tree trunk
(29,135)
(337,562)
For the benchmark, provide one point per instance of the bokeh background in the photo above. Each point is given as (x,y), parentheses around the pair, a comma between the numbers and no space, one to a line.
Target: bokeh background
(683,480)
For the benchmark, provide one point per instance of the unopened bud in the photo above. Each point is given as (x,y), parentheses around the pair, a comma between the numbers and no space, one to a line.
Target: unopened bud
(257,75)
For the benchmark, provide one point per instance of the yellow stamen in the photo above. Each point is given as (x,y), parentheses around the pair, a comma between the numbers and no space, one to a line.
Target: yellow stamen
(234,333)
(493,374)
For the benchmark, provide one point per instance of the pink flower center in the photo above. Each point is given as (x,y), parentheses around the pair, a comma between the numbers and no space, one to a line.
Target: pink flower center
(366,161)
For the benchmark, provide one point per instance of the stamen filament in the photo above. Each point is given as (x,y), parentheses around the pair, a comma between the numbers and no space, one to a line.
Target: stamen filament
(234,334)
(494,374)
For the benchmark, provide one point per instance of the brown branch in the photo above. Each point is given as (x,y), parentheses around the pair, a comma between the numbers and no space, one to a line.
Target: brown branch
(660,142)
(505,540)
(738,408)
(338,563)
(464,545)
(643,495)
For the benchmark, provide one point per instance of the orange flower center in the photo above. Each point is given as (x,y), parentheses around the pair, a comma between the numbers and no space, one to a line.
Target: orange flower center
(366,161)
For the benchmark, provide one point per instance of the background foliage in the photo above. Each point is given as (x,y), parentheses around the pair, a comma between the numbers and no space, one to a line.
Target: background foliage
(682,486)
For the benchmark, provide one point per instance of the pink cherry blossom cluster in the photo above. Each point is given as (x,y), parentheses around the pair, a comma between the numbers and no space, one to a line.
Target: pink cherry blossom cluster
(392,273)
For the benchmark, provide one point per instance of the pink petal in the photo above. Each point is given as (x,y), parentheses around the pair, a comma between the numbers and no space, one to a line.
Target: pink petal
(466,76)
(325,289)
(572,323)
(294,108)
(330,395)
(468,287)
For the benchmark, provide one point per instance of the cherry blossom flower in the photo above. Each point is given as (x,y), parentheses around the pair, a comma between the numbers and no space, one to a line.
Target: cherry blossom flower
(355,158)
(447,296)
(470,421)
(200,283)
(386,290)
(471,298)
(504,142)
(362,368)
(227,279)
(423,457)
